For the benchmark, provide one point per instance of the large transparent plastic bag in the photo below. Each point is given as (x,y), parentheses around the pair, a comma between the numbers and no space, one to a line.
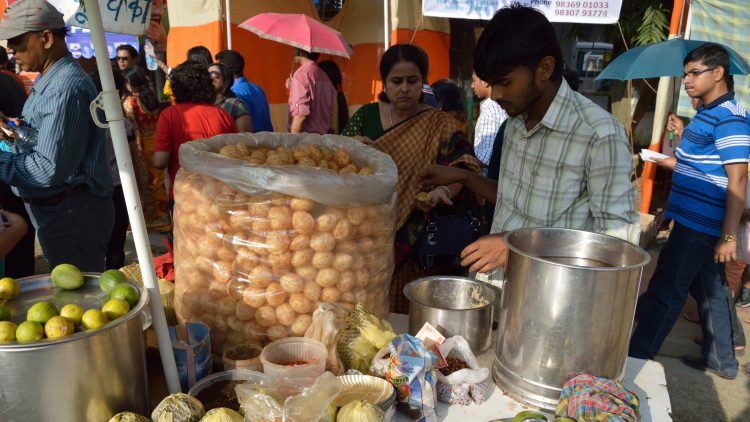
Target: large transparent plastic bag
(258,246)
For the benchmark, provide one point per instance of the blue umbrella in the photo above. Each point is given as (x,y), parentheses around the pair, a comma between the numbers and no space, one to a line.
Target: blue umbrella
(663,59)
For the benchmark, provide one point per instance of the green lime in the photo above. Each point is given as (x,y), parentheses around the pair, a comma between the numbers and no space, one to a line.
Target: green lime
(7,331)
(4,313)
(530,416)
(111,278)
(72,312)
(67,276)
(41,312)
(58,327)
(93,319)
(125,291)
(115,308)
(29,331)
(9,288)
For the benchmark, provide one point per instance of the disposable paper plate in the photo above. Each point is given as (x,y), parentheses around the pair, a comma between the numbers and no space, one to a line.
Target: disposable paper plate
(365,387)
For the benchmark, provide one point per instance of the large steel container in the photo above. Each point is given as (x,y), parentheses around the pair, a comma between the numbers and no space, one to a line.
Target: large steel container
(88,376)
(567,307)
(454,306)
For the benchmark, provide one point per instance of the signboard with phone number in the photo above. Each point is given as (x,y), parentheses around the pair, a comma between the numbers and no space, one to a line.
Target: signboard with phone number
(578,11)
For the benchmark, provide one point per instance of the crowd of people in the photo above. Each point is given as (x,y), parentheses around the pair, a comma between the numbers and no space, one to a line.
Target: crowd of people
(542,155)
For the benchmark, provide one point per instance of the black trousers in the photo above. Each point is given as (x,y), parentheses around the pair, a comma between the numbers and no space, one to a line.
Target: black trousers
(116,244)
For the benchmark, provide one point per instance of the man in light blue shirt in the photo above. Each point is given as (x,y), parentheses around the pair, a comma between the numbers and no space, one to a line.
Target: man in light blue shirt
(63,174)
(247,91)
(491,117)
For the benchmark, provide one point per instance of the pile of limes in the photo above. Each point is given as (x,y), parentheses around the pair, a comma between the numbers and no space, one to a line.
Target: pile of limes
(44,320)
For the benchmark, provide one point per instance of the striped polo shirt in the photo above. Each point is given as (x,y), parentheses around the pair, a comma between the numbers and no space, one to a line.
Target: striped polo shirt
(70,148)
(718,135)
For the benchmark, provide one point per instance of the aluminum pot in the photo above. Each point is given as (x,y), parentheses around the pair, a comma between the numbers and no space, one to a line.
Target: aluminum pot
(567,307)
(87,376)
(454,306)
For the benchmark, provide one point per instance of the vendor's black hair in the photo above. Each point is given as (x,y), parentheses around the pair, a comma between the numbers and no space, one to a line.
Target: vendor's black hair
(303,53)
(712,54)
(228,77)
(516,36)
(233,60)
(448,95)
(132,52)
(191,83)
(201,55)
(403,53)
(140,84)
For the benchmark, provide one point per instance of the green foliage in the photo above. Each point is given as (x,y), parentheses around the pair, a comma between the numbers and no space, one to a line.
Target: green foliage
(654,27)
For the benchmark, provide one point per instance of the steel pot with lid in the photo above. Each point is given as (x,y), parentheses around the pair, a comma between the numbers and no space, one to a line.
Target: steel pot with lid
(567,307)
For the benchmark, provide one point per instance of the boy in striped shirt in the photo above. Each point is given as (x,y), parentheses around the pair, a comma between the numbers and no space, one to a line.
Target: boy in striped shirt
(706,203)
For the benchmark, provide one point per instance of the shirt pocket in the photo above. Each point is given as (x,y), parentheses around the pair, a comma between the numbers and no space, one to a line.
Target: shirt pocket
(550,194)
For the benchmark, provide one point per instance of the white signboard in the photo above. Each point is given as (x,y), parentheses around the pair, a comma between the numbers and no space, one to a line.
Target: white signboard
(579,11)
(462,9)
(119,16)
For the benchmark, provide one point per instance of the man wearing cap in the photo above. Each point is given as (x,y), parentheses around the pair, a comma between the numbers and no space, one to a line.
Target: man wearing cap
(62,173)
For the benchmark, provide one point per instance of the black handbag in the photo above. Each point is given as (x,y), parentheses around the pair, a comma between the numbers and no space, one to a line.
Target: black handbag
(444,237)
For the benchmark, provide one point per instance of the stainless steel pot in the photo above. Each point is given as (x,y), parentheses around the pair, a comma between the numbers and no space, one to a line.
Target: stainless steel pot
(454,306)
(88,376)
(567,306)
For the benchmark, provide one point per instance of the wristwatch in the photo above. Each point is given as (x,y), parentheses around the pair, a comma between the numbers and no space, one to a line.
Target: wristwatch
(729,237)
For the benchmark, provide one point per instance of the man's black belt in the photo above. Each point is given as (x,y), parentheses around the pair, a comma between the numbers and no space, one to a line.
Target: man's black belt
(54,199)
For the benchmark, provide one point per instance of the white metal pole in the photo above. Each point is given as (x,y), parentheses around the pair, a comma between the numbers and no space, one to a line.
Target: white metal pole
(229,24)
(115,118)
(386,22)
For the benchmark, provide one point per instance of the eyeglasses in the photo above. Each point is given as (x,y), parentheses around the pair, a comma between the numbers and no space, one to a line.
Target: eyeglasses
(214,74)
(122,59)
(696,73)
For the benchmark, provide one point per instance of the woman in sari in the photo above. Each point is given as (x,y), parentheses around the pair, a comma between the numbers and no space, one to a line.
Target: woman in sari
(415,135)
(141,107)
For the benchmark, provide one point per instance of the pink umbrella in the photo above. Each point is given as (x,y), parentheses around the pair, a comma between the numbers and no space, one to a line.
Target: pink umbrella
(299,31)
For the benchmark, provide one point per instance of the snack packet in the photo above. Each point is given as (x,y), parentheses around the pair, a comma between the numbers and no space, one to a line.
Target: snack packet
(411,372)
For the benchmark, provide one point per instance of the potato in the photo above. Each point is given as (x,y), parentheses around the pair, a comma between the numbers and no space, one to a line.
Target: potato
(299,242)
(330,294)
(280,261)
(292,283)
(275,295)
(265,316)
(278,242)
(299,204)
(300,325)
(342,262)
(302,258)
(254,297)
(342,158)
(313,291)
(308,273)
(260,276)
(326,222)
(342,230)
(327,277)
(322,260)
(285,314)
(322,242)
(300,303)
(277,332)
(347,281)
(303,222)
(260,225)
(243,311)
(281,218)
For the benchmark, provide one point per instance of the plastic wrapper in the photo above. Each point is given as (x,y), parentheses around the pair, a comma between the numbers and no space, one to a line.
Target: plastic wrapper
(222,414)
(260,242)
(360,411)
(327,322)
(380,363)
(411,372)
(178,408)
(363,336)
(472,385)
(261,402)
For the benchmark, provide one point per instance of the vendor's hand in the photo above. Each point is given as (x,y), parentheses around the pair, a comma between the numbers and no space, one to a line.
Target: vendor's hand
(436,196)
(486,254)
(725,252)
(437,175)
(675,125)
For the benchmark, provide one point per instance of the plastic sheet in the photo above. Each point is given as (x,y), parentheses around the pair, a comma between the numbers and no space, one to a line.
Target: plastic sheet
(259,246)
(472,385)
